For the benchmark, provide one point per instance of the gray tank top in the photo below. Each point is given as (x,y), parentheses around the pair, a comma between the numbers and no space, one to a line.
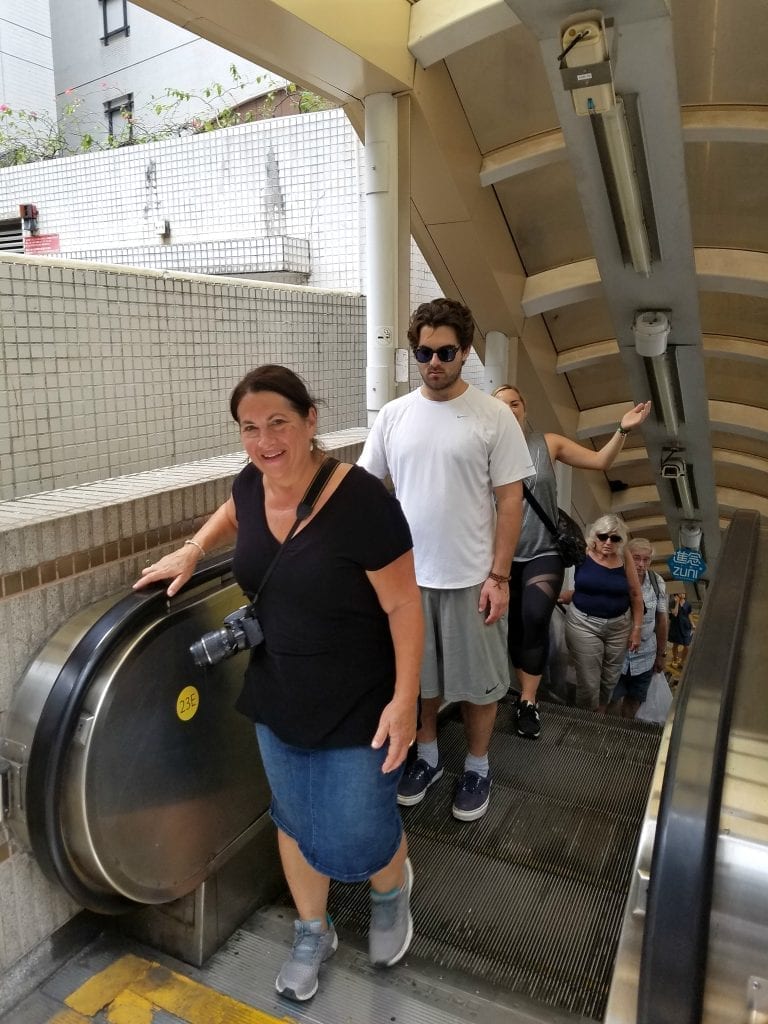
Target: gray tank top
(535,538)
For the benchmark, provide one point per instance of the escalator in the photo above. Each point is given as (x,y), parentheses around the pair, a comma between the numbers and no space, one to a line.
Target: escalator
(139,790)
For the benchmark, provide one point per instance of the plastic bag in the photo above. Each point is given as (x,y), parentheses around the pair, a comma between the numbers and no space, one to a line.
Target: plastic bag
(558,681)
(656,705)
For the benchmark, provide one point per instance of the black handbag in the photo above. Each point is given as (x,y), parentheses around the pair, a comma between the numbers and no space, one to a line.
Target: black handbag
(567,535)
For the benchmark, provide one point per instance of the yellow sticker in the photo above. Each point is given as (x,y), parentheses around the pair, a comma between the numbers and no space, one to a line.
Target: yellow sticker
(187,703)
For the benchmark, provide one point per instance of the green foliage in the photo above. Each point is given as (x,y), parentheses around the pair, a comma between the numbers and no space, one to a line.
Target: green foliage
(26,136)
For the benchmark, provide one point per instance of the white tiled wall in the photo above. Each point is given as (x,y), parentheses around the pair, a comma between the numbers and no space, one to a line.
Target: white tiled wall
(211,188)
(107,372)
(26,57)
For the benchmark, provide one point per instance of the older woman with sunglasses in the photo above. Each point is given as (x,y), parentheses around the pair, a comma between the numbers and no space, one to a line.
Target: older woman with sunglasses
(605,613)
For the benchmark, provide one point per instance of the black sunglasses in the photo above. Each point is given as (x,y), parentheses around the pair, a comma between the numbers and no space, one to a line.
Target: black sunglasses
(613,537)
(446,353)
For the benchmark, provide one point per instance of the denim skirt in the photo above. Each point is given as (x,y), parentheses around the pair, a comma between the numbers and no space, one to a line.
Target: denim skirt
(337,804)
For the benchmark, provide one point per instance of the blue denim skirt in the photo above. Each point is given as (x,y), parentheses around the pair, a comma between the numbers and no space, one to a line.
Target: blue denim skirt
(338,805)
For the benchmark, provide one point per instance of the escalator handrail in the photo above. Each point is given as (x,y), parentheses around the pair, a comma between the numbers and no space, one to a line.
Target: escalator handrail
(58,721)
(676,934)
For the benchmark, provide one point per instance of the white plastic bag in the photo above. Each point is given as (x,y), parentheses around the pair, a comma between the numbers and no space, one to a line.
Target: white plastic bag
(656,705)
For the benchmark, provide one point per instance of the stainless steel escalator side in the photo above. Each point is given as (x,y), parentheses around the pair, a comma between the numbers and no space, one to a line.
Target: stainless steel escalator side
(134,775)
(678,960)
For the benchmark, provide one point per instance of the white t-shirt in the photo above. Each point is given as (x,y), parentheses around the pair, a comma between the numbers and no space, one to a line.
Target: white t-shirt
(445,459)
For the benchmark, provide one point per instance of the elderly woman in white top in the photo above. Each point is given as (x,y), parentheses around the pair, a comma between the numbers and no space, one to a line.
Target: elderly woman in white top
(605,613)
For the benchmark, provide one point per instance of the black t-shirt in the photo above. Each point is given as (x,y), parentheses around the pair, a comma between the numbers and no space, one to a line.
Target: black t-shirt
(326,668)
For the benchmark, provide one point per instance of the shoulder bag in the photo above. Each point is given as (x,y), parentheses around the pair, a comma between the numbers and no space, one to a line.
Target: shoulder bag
(567,535)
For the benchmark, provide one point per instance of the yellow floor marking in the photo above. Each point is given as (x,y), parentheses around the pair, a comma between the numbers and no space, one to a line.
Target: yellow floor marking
(194,1003)
(128,1008)
(131,988)
(101,989)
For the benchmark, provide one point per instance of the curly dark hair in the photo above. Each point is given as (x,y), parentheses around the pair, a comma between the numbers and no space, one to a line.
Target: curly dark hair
(443,313)
(279,379)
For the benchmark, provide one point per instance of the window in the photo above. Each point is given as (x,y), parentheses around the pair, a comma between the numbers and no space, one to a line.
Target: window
(110,10)
(11,236)
(118,113)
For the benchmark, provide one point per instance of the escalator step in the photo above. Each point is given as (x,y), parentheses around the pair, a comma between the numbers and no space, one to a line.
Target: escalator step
(531,896)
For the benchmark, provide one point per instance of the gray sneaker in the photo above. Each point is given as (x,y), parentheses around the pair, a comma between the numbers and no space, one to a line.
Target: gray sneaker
(391,928)
(311,946)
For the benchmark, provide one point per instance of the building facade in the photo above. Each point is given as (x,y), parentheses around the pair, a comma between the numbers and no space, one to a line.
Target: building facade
(112,58)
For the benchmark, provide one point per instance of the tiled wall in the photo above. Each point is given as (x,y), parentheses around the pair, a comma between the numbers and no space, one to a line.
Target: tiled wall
(294,176)
(105,372)
(239,200)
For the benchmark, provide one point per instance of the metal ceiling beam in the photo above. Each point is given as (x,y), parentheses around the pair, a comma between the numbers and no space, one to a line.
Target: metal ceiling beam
(715,345)
(700,124)
(725,457)
(671,285)
(741,271)
(341,50)
(728,417)
(441,27)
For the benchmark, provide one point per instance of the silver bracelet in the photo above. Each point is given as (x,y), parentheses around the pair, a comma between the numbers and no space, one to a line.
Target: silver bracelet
(199,546)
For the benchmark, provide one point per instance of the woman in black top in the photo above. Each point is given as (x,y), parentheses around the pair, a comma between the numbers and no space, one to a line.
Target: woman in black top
(333,687)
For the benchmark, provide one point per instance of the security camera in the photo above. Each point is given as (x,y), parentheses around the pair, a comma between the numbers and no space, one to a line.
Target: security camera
(651,330)
(690,536)
(673,468)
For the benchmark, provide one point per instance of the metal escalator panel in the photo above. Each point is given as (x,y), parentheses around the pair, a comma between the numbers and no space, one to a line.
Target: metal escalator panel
(695,931)
(135,772)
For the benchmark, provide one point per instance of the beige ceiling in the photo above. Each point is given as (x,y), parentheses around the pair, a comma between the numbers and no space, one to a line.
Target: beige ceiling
(510,207)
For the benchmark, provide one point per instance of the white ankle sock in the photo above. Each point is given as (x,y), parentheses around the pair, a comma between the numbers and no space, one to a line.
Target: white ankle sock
(428,752)
(476,764)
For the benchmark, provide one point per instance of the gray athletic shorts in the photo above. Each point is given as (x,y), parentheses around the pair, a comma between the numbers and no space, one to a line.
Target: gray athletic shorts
(463,658)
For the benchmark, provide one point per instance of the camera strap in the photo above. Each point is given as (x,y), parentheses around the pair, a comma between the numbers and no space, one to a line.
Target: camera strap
(303,511)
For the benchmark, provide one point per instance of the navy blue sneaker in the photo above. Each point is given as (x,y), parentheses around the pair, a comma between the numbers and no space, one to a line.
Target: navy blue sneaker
(473,794)
(417,778)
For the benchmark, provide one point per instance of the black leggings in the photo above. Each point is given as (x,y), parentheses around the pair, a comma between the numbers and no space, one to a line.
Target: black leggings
(534,588)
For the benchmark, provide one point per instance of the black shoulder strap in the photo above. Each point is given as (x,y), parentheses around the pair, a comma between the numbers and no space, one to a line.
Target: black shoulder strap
(539,511)
(315,489)
(654,582)
(303,511)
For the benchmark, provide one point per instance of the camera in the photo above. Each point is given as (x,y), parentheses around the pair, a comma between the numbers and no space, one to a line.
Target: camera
(673,468)
(241,631)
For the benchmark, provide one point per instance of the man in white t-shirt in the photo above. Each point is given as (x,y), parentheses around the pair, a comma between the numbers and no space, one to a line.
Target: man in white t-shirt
(456,458)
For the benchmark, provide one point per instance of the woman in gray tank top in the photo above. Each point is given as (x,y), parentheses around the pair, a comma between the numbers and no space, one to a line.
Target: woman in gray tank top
(536,576)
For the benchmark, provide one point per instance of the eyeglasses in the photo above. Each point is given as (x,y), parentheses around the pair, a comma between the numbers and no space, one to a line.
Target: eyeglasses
(446,353)
(614,538)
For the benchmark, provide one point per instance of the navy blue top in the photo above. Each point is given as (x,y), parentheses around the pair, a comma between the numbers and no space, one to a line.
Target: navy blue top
(599,590)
